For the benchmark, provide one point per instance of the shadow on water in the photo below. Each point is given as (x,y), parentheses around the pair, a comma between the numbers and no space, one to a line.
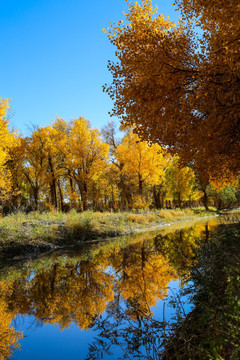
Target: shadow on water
(212,329)
(122,291)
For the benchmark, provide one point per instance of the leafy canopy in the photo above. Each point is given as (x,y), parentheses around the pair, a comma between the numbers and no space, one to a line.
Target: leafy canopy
(180,87)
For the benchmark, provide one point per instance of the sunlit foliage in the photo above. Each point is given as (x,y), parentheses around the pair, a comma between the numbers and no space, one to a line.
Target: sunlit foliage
(180,87)
(7,140)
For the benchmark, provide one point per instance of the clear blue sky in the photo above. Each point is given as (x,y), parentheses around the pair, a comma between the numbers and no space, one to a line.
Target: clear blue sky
(54,58)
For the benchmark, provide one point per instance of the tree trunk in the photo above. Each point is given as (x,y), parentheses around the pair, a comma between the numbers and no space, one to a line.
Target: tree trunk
(179,202)
(36,197)
(129,199)
(123,200)
(126,196)
(156,198)
(60,195)
(207,233)
(113,199)
(83,191)
(205,199)
(53,188)
(219,205)
(72,203)
(140,184)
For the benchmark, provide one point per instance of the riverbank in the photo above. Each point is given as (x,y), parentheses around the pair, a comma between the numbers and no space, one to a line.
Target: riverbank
(36,233)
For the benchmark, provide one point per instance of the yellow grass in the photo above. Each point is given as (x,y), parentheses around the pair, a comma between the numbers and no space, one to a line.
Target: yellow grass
(175,214)
(141,218)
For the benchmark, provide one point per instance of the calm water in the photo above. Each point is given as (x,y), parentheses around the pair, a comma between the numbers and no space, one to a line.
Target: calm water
(109,299)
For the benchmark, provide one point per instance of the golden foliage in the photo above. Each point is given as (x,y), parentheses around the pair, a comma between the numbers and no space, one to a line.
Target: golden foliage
(7,141)
(178,88)
(146,163)
(181,182)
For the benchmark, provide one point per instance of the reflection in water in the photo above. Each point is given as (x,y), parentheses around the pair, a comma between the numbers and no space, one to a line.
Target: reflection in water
(142,275)
(64,294)
(8,336)
(113,290)
(212,329)
(128,324)
(80,292)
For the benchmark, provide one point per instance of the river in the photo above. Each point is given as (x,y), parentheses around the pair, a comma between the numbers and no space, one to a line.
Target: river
(166,294)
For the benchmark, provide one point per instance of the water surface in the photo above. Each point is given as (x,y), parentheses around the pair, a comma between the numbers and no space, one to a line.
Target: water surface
(118,298)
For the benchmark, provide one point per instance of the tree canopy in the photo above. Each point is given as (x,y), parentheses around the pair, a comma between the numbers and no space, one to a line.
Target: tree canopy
(178,84)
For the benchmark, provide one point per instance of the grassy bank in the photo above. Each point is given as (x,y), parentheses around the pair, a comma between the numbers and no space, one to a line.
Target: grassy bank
(39,232)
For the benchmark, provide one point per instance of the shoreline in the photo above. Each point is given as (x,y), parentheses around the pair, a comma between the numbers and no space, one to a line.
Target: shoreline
(29,237)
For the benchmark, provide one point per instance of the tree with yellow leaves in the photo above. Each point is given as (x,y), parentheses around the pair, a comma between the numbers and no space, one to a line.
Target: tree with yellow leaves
(63,162)
(136,167)
(145,163)
(7,141)
(116,174)
(86,157)
(178,88)
(181,183)
(34,168)
(54,140)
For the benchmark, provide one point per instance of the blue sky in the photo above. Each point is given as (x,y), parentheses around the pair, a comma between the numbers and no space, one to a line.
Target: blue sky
(54,58)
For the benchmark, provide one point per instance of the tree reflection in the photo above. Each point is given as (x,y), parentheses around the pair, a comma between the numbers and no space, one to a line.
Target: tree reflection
(209,331)
(212,329)
(9,338)
(142,276)
(124,282)
(182,247)
(144,271)
(64,294)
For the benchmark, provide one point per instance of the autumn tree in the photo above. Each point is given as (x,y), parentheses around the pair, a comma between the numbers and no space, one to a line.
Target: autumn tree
(7,141)
(136,167)
(225,197)
(54,138)
(180,87)
(105,193)
(116,174)
(86,157)
(35,166)
(62,129)
(145,162)
(180,183)
(62,163)
(15,166)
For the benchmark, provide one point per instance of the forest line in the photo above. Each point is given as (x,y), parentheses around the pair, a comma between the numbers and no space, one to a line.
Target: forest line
(70,165)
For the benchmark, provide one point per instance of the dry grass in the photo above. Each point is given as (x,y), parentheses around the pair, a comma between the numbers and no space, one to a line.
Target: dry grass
(142,218)
(177,214)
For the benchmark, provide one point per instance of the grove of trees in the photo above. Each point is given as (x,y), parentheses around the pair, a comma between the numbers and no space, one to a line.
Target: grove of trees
(69,165)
